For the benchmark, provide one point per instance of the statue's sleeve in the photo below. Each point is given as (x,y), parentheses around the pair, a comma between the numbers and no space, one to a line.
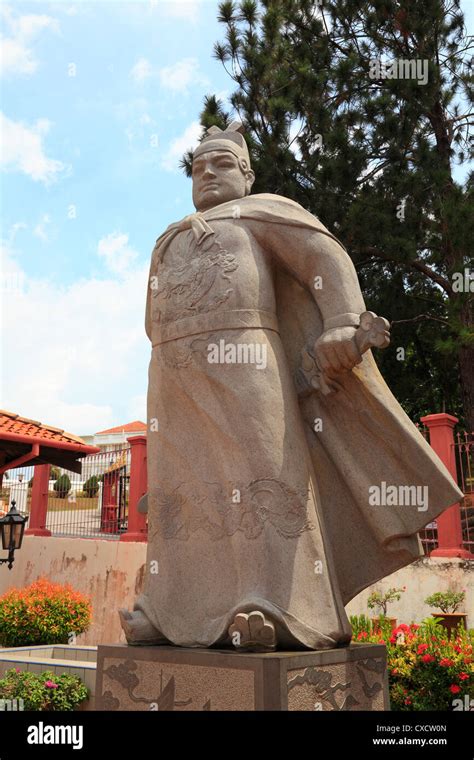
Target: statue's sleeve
(321,265)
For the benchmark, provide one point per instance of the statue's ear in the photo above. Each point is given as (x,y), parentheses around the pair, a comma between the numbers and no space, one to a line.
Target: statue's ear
(250,178)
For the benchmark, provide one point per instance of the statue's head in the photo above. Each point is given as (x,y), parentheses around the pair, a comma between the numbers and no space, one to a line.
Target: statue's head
(221,167)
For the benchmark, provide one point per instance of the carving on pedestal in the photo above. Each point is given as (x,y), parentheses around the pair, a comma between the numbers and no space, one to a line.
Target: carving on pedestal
(320,688)
(321,680)
(164,700)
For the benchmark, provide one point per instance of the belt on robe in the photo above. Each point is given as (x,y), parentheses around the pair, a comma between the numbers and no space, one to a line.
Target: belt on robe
(235,319)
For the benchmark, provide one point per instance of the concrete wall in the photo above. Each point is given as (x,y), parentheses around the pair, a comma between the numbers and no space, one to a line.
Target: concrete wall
(110,572)
(422,578)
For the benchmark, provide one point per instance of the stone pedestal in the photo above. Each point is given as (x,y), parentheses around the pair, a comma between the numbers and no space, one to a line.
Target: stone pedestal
(175,678)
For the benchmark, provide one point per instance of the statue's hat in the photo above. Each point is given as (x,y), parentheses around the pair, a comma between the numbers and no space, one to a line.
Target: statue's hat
(230,139)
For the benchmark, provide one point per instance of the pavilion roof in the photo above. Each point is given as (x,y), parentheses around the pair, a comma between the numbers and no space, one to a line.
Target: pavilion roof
(35,442)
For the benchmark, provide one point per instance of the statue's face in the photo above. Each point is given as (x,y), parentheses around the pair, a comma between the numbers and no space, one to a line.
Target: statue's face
(217,178)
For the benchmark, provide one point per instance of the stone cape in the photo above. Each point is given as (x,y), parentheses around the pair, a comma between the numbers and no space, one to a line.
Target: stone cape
(366,438)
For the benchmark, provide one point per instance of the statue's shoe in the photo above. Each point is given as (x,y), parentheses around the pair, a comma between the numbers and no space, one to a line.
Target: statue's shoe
(253,632)
(138,629)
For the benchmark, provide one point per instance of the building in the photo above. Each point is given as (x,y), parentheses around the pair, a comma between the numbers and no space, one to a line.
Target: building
(115,439)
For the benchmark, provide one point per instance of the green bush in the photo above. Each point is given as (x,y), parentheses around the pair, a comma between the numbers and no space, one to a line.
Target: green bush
(446,601)
(43,691)
(42,613)
(62,485)
(91,486)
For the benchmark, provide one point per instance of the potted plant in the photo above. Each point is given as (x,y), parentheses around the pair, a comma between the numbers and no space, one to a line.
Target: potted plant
(448,602)
(380,602)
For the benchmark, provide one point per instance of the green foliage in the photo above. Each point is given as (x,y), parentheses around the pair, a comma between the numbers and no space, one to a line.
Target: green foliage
(428,668)
(359,623)
(42,613)
(43,691)
(62,485)
(54,472)
(446,601)
(91,486)
(351,148)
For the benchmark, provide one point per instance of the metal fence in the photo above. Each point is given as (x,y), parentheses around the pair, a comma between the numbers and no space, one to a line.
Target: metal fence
(464,451)
(16,486)
(464,458)
(92,503)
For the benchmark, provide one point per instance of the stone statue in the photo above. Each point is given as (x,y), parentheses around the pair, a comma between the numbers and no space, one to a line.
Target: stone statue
(283,475)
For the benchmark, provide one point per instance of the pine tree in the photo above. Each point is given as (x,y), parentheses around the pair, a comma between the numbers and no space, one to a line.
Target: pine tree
(372,155)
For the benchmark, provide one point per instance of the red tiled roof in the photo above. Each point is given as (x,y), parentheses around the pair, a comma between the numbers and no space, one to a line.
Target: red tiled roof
(130,427)
(14,424)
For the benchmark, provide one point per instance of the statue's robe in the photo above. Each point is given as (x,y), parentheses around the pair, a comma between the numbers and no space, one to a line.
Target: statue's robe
(249,507)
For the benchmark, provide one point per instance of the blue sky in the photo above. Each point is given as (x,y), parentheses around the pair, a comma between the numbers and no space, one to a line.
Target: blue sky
(99,102)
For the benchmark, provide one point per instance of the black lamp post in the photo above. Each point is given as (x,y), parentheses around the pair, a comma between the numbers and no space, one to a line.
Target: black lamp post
(12,527)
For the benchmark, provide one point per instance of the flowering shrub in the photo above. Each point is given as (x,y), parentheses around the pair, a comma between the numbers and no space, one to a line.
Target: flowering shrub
(43,613)
(427,668)
(380,601)
(43,691)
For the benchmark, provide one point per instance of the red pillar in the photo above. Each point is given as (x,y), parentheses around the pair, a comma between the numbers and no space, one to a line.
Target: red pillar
(450,543)
(39,502)
(137,527)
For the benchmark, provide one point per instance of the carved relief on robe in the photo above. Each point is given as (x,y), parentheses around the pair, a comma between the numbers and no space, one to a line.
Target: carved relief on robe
(194,278)
(224,510)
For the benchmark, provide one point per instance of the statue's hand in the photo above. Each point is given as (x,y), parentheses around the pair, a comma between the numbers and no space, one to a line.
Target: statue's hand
(336,350)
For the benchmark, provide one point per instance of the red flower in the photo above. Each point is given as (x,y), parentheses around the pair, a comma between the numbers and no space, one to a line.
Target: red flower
(422,648)
(427,658)
(408,701)
(446,662)
(362,635)
(394,671)
(454,688)
(463,676)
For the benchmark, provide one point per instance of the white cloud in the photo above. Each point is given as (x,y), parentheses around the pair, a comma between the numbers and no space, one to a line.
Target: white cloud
(40,230)
(141,71)
(22,150)
(117,253)
(180,76)
(12,277)
(18,56)
(183,9)
(137,407)
(188,141)
(86,343)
